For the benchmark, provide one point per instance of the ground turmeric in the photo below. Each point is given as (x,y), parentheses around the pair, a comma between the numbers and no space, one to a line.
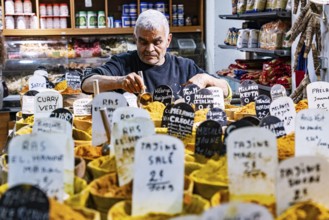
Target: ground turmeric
(302,104)
(29,120)
(200,115)
(60,211)
(155,109)
(62,85)
(214,171)
(286,146)
(247,109)
(88,151)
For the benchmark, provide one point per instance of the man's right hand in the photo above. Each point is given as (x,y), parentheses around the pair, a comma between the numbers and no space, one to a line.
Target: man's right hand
(132,83)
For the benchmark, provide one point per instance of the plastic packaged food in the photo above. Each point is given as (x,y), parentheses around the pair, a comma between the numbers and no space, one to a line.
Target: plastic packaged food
(259,5)
(241,6)
(243,38)
(270,5)
(253,38)
(281,4)
(250,5)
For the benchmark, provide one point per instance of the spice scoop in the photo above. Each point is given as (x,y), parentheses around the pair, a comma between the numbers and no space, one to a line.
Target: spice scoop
(106,145)
(144,98)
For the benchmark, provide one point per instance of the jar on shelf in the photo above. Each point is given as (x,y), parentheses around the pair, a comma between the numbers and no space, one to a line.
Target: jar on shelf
(27,22)
(9,7)
(56,9)
(63,9)
(43,10)
(27,6)
(10,22)
(49,9)
(34,22)
(91,19)
(77,19)
(117,24)
(63,22)
(160,6)
(133,21)
(42,23)
(174,10)
(132,9)
(125,21)
(143,6)
(18,6)
(180,20)
(49,23)
(20,22)
(125,9)
(101,22)
(82,19)
(180,9)
(56,23)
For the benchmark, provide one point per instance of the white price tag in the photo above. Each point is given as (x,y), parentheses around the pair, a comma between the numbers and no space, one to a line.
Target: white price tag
(123,138)
(284,109)
(37,83)
(156,187)
(252,160)
(131,99)
(82,107)
(111,101)
(318,95)
(301,179)
(88,3)
(124,113)
(218,97)
(46,102)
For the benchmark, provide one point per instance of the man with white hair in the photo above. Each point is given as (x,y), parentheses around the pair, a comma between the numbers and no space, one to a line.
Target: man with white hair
(159,67)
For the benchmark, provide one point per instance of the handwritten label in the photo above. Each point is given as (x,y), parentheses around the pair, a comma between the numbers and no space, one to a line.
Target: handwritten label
(252,159)
(60,126)
(73,79)
(203,99)
(166,116)
(237,211)
(37,83)
(318,95)
(111,101)
(131,99)
(208,140)
(273,124)
(262,106)
(124,137)
(38,159)
(189,92)
(46,102)
(62,113)
(82,107)
(278,91)
(284,109)
(218,95)
(40,72)
(312,126)
(181,120)
(301,179)
(24,202)
(248,90)
(163,94)
(218,115)
(156,187)
(28,102)
(124,113)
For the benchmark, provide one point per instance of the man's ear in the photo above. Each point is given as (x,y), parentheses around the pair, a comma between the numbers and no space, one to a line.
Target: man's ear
(169,39)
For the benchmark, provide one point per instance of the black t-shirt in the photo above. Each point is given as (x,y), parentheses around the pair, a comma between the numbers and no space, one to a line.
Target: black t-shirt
(174,72)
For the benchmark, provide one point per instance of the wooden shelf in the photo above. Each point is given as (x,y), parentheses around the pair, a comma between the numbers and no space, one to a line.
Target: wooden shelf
(258,50)
(88,31)
(259,15)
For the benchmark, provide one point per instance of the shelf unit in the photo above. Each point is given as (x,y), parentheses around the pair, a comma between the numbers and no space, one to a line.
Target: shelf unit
(259,17)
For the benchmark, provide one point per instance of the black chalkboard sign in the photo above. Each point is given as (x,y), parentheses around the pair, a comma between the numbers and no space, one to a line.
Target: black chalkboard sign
(217,114)
(73,79)
(24,202)
(262,106)
(62,113)
(248,90)
(203,99)
(181,120)
(163,94)
(252,119)
(166,116)
(273,124)
(208,140)
(233,126)
(189,92)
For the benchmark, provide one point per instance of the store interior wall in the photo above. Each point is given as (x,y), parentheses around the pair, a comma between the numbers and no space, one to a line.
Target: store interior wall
(216,30)
(325,49)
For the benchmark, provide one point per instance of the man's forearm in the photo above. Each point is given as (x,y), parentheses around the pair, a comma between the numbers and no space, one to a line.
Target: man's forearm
(106,83)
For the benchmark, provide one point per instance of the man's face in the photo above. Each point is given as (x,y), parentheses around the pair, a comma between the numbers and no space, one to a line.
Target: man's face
(152,45)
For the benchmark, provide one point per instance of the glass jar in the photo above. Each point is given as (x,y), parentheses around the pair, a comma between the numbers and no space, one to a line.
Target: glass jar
(10,22)
(42,23)
(101,22)
(56,9)
(27,6)
(63,22)
(9,7)
(43,10)
(49,23)
(91,19)
(18,6)
(56,23)
(82,19)
(49,9)
(20,22)
(63,9)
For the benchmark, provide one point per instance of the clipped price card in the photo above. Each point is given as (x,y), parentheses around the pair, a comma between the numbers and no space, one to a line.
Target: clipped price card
(318,95)
(123,139)
(110,101)
(82,107)
(38,159)
(252,160)
(284,109)
(163,94)
(301,179)
(158,175)
(312,126)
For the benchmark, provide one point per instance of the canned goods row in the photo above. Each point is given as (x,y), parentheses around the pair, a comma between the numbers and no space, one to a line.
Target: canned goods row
(126,21)
(54,9)
(90,19)
(160,6)
(53,23)
(21,22)
(178,10)
(129,9)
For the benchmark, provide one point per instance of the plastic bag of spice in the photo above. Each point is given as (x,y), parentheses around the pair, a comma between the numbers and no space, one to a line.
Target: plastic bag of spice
(259,5)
